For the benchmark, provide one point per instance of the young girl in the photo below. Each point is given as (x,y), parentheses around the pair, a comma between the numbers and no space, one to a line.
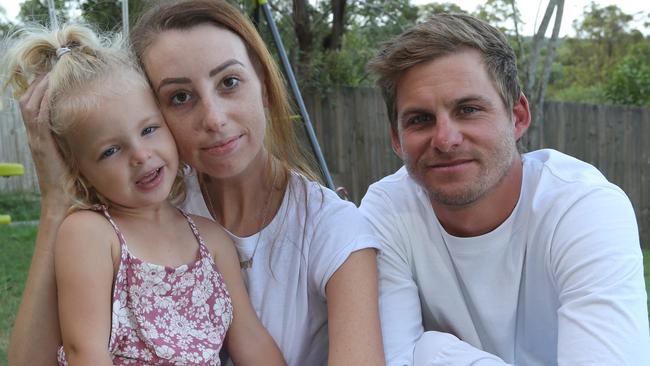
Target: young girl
(138,281)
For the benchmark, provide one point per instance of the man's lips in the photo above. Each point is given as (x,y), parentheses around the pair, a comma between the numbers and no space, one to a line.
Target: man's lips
(449,164)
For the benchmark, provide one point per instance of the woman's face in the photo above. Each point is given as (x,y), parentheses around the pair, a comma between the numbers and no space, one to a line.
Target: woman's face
(211,97)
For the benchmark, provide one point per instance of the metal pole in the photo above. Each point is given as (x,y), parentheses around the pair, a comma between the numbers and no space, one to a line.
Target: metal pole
(296,92)
(51,10)
(125,18)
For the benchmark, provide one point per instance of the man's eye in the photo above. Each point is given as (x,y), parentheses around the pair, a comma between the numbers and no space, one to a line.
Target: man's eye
(180,98)
(419,119)
(230,82)
(109,152)
(468,110)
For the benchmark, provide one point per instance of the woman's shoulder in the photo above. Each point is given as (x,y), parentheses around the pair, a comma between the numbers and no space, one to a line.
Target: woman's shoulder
(323,207)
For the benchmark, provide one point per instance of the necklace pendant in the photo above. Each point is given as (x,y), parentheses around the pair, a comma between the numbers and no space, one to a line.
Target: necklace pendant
(246,264)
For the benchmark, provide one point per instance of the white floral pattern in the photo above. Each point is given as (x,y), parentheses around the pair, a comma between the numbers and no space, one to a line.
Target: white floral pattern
(167,316)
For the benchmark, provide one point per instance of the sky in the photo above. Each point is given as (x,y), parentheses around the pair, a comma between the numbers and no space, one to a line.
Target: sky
(529,9)
(573,9)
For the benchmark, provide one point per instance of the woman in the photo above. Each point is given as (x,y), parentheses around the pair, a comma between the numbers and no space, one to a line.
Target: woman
(308,258)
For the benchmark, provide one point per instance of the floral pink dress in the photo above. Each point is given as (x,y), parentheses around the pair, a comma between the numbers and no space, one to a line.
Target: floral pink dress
(167,316)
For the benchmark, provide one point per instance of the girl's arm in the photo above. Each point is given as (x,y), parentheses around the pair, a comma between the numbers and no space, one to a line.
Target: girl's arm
(37,323)
(84,278)
(353,312)
(248,342)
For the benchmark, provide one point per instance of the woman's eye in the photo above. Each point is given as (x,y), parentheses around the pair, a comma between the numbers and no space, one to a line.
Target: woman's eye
(180,98)
(148,130)
(108,152)
(230,82)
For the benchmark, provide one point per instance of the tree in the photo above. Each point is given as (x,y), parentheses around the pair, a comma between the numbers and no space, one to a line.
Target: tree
(535,87)
(629,83)
(604,37)
(107,14)
(37,11)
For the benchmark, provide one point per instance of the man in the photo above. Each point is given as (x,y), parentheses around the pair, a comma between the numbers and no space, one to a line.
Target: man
(492,257)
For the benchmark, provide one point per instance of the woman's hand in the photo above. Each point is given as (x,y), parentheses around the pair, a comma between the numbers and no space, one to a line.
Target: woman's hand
(50,167)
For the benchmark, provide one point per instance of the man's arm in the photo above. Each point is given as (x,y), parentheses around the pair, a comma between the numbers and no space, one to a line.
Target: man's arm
(597,265)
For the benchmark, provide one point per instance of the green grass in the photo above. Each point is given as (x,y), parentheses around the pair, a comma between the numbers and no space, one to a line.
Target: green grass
(16,246)
(21,206)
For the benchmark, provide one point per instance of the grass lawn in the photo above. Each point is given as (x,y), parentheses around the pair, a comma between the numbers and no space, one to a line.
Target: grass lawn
(16,246)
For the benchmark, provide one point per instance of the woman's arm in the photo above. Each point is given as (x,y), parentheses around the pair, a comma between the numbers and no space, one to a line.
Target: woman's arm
(84,278)
(248,342)
(353,312)
(37,323)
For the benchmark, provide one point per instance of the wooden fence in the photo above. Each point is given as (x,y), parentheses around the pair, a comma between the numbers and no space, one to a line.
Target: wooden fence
(353,131)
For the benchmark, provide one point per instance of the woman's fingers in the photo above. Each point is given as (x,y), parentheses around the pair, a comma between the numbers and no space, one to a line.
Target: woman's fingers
(32,101)
(50,167)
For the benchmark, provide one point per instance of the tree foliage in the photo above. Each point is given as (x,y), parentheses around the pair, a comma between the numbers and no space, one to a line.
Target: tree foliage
(329,42)
(605,45)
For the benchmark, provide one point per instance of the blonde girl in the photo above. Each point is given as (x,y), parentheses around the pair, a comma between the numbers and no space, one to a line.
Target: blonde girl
(138,281)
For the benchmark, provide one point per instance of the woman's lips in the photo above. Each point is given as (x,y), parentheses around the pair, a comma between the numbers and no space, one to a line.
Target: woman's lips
(224,147)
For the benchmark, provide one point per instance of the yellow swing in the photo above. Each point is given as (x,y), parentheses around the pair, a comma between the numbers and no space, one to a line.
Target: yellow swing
(7,170)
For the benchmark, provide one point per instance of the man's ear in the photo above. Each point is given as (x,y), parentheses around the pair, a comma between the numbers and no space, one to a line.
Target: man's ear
(395,143)
(521,116)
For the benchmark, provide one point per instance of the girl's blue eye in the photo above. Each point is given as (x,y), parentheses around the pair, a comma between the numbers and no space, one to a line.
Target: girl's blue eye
(109,152)
(230,82)
(180,98)
(148,130)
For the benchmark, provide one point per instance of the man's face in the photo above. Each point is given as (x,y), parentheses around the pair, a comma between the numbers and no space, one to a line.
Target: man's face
(455,135)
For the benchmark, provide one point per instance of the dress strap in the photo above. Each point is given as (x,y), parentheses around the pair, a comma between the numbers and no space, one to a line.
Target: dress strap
(104,210)
(203,250)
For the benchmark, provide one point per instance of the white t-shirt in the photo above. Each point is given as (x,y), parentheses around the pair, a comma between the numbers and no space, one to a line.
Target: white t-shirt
(559,282)
(310,237)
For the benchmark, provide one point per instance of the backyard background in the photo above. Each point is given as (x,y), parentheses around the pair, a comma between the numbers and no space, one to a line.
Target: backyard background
(589,88)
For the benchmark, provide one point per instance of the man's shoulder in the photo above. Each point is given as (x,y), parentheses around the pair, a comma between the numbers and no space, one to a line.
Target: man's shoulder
(397,185)
(553,172)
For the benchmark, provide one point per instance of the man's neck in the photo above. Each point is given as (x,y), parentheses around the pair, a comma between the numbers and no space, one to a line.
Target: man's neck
(486,213)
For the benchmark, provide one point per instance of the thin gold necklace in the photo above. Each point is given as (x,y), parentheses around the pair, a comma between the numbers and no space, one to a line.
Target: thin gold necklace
(248,263)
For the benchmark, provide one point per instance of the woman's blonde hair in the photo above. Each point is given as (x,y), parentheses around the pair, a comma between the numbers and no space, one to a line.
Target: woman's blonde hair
(281,139)
(77,60)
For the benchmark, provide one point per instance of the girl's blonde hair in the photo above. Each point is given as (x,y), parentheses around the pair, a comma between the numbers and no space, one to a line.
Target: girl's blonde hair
(85,61)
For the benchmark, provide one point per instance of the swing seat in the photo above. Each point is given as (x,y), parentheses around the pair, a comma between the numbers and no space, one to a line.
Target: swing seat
(6,170)
(10,169)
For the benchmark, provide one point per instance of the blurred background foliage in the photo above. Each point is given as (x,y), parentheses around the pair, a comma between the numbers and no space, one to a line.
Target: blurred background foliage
(329,42)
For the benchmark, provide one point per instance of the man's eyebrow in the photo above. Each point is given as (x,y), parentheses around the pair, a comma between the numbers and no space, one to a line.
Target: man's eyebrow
(469,99)
(213,72)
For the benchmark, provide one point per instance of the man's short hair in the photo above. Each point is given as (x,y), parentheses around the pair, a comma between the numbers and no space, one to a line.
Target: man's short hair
(440,35)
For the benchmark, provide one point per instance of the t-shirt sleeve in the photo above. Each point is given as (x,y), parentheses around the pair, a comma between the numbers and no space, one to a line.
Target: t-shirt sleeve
(338,230)
(597,265)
